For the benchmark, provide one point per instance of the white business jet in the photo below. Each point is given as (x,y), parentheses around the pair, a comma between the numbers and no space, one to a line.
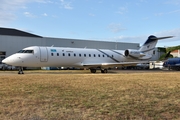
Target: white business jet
(93,59)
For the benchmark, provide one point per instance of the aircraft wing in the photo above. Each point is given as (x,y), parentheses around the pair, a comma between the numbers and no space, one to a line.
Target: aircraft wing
(105,65)
(174,65)
(178,64)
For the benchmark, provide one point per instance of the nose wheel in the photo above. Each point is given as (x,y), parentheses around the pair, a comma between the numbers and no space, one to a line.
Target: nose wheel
(20,70)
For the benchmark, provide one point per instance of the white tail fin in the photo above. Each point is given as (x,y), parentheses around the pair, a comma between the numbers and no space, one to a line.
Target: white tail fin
(150,43)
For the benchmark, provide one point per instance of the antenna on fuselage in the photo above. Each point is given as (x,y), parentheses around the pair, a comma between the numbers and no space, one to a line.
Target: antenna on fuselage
(52,45)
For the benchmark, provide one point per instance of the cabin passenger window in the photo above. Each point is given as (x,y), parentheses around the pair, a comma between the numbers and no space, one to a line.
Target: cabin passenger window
(154,52)
(103,55)
(112,56)
(79,55)
(69,54)
(57,54)
(94,55)
(63,54)
(99,55)
(84,55)
(74,55)
(52,54)
(89,55)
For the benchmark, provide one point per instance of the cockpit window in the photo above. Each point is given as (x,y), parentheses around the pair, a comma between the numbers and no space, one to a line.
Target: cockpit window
(26,51)
(20,51)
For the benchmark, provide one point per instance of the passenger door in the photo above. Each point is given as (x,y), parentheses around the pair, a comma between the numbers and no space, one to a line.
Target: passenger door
(43,54)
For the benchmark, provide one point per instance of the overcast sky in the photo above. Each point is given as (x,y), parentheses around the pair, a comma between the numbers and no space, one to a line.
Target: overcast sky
(105,20)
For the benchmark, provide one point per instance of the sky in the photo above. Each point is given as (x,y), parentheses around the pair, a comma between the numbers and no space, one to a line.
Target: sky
(130,21)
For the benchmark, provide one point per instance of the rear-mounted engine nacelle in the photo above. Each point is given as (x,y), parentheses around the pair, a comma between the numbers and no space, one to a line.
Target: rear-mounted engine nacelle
(133,53)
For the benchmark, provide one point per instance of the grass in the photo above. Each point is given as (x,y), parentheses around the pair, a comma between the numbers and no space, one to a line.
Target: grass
(49,96)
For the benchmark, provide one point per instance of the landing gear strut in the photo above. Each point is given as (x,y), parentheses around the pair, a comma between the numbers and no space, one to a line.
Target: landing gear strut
(93,70)
(104,70)
(20,70)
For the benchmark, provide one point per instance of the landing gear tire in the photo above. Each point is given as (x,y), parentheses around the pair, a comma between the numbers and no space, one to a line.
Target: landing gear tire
(104,71)
(93,70)
(20,70)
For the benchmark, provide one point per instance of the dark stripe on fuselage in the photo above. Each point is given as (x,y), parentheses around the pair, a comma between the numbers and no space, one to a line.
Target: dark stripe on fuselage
(108,55)
(118,53)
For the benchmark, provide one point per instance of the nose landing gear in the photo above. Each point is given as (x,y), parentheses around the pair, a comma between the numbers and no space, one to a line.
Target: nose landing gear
(20,70)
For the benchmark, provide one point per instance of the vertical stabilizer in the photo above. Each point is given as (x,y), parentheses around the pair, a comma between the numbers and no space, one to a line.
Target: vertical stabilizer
(150,43)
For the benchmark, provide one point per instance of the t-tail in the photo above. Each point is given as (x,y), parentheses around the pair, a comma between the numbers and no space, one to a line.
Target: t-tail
(146,50)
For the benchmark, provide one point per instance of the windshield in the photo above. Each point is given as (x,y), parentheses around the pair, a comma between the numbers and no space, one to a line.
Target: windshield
(25,51)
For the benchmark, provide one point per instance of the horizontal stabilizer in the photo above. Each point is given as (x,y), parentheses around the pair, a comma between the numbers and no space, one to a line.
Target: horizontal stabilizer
(159,38)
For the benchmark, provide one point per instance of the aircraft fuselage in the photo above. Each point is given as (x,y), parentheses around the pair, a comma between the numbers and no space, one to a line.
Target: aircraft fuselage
(67,57)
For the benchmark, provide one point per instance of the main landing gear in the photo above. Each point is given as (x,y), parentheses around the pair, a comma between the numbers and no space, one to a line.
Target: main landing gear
(20,70)
(102,70)
(93,70)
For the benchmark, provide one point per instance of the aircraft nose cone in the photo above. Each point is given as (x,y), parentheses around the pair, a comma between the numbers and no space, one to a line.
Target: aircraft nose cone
(13,60)
(5,61)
